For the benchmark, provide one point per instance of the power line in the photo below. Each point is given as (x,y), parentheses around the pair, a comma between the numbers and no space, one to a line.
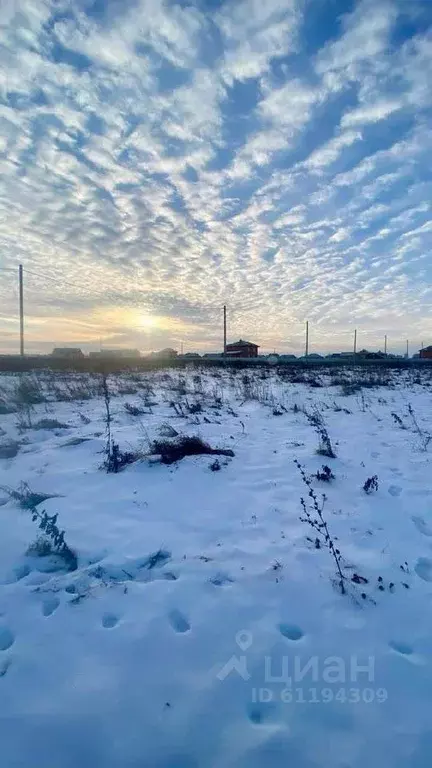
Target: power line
(53,279)
(106,291)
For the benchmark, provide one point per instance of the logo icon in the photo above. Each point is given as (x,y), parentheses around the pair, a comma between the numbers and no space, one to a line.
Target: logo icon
(238,663)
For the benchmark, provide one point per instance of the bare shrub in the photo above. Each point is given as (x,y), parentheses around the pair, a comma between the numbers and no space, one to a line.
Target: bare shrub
(176,449)
(108,418)
(41,547)
(53,540)
(117,460)
(26,498)
(166,430)
(397,420)
(325,447)
(133,410)
(194,407)
(425,437)
(350,388)
(178,408)
(313,516)
(371,484)
(56,538)
(29,391)
(325,474)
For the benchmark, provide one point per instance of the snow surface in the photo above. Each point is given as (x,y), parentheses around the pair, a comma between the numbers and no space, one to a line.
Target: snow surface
(120,663)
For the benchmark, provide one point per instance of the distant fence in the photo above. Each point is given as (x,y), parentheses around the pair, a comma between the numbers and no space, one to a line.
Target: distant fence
(17,364)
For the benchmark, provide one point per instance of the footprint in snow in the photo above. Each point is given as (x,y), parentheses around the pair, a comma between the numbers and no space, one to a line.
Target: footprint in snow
(421,525)
(260,713)
(220,579)
(49,605)
(290,631)
(179,622)
(395,490)
(4,666)
(423,568)
(403,648)
(7,638)
(109,620)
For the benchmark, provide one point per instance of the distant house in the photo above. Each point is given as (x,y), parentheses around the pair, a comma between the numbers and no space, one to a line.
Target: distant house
(242,348)
(364,354)
(166,354)
(426,353)
(67,353)
(116,354)
(191,355)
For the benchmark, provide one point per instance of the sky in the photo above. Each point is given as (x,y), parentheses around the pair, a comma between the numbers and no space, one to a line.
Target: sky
(161,158)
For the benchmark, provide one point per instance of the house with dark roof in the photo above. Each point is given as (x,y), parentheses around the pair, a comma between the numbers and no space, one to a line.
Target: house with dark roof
(67,353)
(426,353)
(242,348)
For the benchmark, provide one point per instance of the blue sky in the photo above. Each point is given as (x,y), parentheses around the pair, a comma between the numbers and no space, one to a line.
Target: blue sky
(160,158)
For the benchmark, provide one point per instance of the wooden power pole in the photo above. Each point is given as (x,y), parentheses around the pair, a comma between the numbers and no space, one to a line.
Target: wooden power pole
(307,339)
(355,342)
(21,308)
(225,330)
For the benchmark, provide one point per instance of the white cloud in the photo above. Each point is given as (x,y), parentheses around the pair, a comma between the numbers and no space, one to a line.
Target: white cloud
(284,111)
(108,177)
(251,55)
(370,113)
(364,38)
(290,105)
(329,152)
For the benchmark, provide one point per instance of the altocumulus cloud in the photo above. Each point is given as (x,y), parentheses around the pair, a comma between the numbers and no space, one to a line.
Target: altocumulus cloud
(160,158)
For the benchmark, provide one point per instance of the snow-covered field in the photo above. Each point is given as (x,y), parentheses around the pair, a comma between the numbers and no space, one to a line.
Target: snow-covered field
(204,625)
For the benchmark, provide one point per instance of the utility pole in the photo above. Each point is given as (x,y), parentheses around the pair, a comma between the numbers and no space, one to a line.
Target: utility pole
(21,308)
(407,352)
(225,330)
(355,342)
(385,345)
(181,348)
(307,339)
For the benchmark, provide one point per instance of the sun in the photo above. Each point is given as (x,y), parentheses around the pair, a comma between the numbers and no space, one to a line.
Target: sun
(147,322)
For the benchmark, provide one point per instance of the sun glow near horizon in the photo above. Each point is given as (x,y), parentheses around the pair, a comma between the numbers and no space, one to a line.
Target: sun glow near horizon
(148,322)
